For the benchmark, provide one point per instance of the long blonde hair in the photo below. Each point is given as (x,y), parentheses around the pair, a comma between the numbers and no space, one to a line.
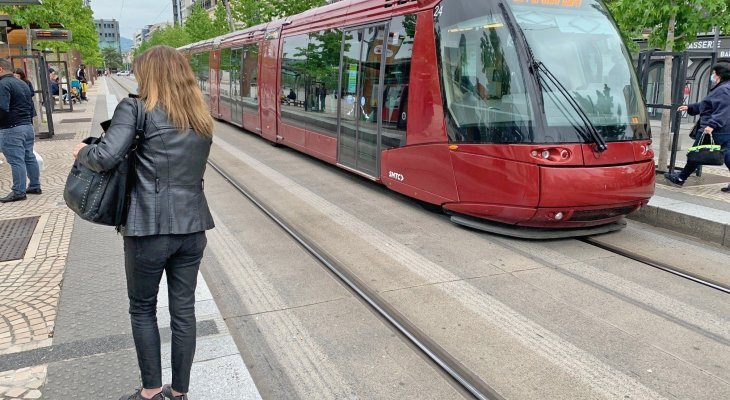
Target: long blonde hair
(165,78)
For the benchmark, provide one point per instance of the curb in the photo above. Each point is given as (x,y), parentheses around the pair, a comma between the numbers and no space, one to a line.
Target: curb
(700,228)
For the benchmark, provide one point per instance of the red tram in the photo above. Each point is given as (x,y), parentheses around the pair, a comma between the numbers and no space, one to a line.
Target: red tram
(509,114)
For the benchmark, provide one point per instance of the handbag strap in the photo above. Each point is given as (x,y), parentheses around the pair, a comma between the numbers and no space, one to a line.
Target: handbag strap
(702,138)
(139,128)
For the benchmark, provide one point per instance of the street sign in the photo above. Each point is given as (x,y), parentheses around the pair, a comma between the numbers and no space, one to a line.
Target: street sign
(62,35)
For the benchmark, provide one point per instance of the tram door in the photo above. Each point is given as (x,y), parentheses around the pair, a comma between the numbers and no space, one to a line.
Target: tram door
(360,83)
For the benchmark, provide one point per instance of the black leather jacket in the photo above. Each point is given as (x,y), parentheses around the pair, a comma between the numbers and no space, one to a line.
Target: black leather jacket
(167,197)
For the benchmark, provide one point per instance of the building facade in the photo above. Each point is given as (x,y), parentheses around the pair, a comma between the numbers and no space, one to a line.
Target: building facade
(187,5)
(108,33)
(141,35)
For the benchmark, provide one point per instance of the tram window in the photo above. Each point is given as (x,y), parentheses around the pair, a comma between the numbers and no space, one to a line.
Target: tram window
(249,77)
(320,89)
(394,108)
(486,96)
(194,60)
(204,72)
(294,79)
(236,74)
(225,75)
(599,77)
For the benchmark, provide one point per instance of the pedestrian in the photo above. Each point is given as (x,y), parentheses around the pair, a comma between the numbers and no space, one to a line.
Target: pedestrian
(17,135)
(20,74)
(81,76)
(81,73)
(714,112)
(168,214)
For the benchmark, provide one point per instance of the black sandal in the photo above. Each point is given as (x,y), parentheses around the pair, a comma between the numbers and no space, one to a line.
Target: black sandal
(138,396)
(167,392)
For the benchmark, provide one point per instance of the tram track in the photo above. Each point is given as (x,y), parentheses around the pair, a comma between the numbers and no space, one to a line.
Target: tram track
(580,360)
(683,273)
(435,353)
(460,375)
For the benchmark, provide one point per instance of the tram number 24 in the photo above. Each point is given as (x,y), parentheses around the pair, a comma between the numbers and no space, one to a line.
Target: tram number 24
(394,175)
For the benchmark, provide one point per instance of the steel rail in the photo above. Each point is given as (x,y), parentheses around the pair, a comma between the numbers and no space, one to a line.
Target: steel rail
(470,382)
(659,265)
(452,367)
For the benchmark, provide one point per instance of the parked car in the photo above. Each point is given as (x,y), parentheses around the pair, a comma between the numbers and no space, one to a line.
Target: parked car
(123,73)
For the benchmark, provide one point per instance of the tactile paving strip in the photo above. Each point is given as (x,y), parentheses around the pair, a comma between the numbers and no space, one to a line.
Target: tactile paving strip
(15,235)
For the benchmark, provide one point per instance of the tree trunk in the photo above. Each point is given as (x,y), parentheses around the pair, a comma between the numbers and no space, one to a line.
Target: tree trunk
(231,27)
(665,141)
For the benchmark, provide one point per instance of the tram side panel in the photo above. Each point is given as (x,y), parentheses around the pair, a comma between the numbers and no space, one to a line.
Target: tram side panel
(422,168)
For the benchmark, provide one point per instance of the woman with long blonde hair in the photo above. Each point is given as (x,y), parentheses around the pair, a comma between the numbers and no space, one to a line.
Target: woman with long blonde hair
(168,213)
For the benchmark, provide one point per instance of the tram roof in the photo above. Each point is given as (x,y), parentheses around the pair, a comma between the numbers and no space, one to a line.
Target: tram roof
(338,14)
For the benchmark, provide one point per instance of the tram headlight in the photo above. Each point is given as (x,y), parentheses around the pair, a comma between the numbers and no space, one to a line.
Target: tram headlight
(559,216)
(552,154)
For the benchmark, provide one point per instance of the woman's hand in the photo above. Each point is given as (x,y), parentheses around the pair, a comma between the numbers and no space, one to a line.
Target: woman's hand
(78,148)
(708,130)
(683,108)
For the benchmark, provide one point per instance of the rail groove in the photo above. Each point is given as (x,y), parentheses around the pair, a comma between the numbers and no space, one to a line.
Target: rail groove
(659,265)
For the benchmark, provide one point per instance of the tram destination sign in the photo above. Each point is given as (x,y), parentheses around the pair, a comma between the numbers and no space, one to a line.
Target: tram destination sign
(61,35)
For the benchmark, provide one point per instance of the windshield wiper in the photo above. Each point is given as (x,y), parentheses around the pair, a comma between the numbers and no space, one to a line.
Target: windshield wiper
(592,132)
(537,68)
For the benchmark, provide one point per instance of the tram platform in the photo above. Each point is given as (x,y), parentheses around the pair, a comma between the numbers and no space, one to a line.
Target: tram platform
(65,333)
(698,208)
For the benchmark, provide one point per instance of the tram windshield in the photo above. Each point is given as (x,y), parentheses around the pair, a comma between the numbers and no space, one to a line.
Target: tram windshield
(484,81)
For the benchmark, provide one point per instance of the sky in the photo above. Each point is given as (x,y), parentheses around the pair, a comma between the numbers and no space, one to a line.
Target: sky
(133,14)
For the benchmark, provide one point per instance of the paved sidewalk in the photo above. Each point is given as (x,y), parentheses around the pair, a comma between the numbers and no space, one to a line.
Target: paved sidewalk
(64,327)
(30,288)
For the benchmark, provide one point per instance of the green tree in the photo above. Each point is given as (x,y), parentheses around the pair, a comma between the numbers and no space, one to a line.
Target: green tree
(254,12)
(173,36)
(73,14)
(199,26)
(674,24)
(112,58)
(220,20)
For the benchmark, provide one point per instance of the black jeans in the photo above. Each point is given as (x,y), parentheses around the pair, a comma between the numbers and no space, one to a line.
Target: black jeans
(145,258)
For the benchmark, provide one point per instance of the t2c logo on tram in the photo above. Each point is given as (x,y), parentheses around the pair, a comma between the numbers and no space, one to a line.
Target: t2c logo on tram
(396,176)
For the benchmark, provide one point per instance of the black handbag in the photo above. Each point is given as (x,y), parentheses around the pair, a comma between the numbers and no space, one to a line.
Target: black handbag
(103,197)
(706,154)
